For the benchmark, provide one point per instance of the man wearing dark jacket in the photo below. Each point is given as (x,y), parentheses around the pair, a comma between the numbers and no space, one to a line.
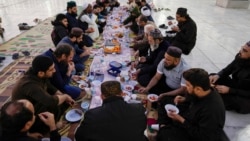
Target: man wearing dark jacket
(151,57)
(135,13)
(62,58)
(115,120)
(81,53)
(35,87)
(73,22)
(186,30)
(233,82)
(203,119)
(60,28)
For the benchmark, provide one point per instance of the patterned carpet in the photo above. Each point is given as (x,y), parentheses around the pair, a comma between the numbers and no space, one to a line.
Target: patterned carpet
(36,40)
(9,76)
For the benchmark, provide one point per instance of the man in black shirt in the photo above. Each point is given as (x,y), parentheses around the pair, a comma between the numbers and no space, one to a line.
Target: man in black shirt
(186,32)
(203,119)
(233,82)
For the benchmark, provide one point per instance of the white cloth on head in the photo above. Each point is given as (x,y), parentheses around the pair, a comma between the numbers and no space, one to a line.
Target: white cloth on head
(85,5)
(91,23)
(145,11)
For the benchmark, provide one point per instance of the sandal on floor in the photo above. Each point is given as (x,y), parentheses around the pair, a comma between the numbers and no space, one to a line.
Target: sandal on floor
(163,26)
(26,53)
(2,58)
(15,56)
(170,18)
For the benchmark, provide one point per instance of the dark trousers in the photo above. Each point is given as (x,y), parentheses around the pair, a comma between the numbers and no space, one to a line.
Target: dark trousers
(172,133)
(87,40)
(159,88)
(233,101)
(162,113)
(79,62)
(39,126)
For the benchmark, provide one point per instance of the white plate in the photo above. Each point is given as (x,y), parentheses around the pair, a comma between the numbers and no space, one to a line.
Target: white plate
(102,20)
(170,107)
(65,139)
(80,81)
(125,93)
(85,105)
(74,115)
(133,82)
(133,96)
(45,139)
(152,97)
(83,85)
(62,139)
(128,88)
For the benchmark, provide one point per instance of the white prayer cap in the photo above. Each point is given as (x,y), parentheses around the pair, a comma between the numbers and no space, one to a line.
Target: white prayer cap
(145,11)
(85,6)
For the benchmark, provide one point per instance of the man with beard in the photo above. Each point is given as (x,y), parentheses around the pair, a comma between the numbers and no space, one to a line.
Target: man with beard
(202,120)
(71,14)
(153,55)
(73,22)
(141,22)
(170,68)
(35,87)
(131,20)
(62,58)
(81,54)
(233,82)
(186,32)
(88,19)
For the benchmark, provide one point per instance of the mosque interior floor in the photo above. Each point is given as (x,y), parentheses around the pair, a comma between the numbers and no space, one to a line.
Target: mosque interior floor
(221,31)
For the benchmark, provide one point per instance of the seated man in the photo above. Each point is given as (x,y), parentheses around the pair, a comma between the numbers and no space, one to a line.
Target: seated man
(62,58)
(233,82)
(186,30)
(172,67)
(81,53)
(101,21)
(18,116)
(150,59)
(60,29)
(73,22)
(87,21)
(35,87)
(142,21)
(204,118)
(115,120)
(131,20)
(146,10)
(140,45)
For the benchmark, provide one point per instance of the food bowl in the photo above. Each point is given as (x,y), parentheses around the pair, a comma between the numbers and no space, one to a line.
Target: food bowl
(83,85)
(128,88)
(171,108)
(125,93)
(85,105)
(152,97)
